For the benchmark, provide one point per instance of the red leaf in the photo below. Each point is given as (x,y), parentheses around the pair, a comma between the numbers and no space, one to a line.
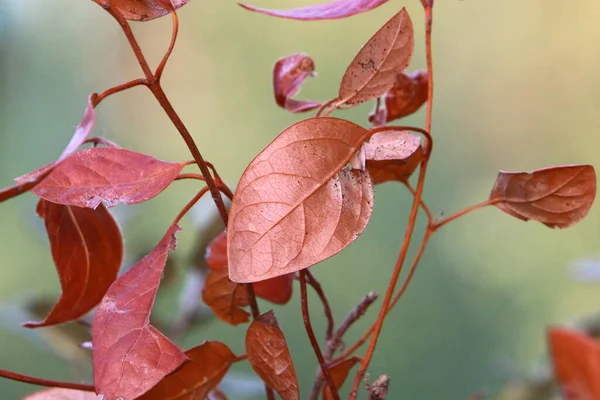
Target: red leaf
(339,372)
(407,95)
(277,290)
(208,365)
(374,69)
(130,356)
(392,155)
(288,75)
(556,196)
(269,356)
(142,10)
(576,360)
(294,205)
(61,394)
(225,297)
(92,176)
(87,250)
(332,10)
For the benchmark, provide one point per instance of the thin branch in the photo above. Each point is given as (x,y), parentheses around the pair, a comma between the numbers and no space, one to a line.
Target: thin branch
(161,67)
(190,204)
(312,281)
(311,336)
(45,382)
(119,88)
(423,205)
(437,225)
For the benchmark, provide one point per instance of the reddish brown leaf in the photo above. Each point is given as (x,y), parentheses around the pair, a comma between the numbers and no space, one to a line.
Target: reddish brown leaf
(374,69)
(407,95)
(269,356)
(294,205)
(556,196)
(142,10)
(277,290)
(576,360)
(130,356)
(61,394)
(25,186)
(87,250)
(208,364)
(332,10)
(225,297)
(339,372)
(288,75)
(108,175)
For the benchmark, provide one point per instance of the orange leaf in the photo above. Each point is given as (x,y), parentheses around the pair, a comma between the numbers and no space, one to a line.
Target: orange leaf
(277,290)
(87,249)
(576,360)
(61,394)
(374,69)
(339,372)
(269,356)
(108,175)
(130,356)
(288,75)
(556,196)
(294,205)
(407,95)
(393,156)
(209,362)
(142,10)
(225,297)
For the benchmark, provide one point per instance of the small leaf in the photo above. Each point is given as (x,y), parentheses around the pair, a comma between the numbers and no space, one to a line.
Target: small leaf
(130,356)
(92,176)
(392,155)
(141,10)
(277,290)
(332,10)
(576,360)
(225,297)
(288,75)
(294,205)
(339,372)
(87,250)
(61,394)
(376,66)
(269,356)
(556,196)
(208,364)
(407,95)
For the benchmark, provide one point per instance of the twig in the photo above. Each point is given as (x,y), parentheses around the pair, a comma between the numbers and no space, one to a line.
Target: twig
(312,281)
(45,382)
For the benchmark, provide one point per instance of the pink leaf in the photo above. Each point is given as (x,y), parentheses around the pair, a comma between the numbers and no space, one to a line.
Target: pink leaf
(288,75)
(130,356)
(332,10)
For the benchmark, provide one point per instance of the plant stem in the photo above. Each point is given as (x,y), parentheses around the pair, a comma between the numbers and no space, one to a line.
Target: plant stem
(437,225)
(190,204)
(312,281)
(118,88)
(161,67)
(45,382)
(311,336)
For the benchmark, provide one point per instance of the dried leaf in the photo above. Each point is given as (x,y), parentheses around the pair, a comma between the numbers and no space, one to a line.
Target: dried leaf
(225,297)
(108,175)
(332,10)
(294,206)
(288,75)
(277,290)
(407,95)
(269,356)
(392,156)
(339,372)
(556,196)
(142,10)
(61,394)
(576,360)
(130,356)
(376,66)
(87,250)
(208,364)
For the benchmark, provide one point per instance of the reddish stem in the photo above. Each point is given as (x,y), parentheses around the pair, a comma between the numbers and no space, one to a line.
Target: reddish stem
(161,67)
(437,225)
(46,382)
(312,281)
(119,88)
(313,339)
(190,204)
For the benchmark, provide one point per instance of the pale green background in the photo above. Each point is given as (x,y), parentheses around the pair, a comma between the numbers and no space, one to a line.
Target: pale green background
(517,88)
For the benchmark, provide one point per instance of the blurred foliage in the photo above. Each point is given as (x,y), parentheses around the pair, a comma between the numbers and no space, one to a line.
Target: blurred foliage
(516,89)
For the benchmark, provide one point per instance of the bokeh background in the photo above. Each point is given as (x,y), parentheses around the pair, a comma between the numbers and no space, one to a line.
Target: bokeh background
(516,88)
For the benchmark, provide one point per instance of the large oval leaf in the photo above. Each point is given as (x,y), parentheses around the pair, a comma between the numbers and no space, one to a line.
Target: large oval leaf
(87,250)
(293,207)
(374,69)
(331,10)
(142,10)
(556,196)
(107,175)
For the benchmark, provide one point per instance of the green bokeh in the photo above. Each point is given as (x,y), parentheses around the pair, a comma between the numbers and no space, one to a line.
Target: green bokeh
(516,88)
